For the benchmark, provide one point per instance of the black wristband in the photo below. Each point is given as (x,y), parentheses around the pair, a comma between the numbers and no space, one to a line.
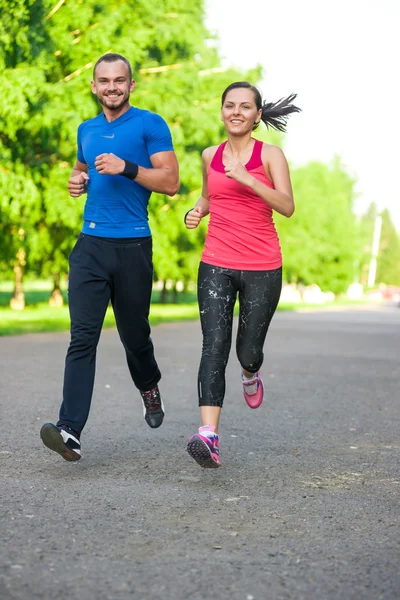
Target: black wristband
(131,170)
(184,218)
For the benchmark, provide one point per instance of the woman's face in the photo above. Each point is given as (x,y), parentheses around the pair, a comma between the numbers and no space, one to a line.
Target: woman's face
(239,111)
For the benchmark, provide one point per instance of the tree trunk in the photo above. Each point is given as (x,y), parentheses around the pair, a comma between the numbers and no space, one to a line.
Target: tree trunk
(164,293)
(56,298)
(175,295)
(17,301)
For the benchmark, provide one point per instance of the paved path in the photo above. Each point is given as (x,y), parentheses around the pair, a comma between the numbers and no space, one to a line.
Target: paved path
(305,506)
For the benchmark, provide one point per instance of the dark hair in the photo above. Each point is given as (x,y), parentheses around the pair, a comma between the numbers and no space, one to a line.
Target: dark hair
(112,57)
(274,114)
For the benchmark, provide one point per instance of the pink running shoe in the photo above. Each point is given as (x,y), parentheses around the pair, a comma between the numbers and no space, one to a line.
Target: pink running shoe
(204,447)
(253,390)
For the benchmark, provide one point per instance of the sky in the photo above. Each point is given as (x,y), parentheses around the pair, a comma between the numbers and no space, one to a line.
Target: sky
(342,58)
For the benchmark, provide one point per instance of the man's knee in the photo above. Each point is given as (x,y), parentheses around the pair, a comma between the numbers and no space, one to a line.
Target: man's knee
(84,338)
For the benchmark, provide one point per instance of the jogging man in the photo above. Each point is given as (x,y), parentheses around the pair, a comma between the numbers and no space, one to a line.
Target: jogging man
(124,154)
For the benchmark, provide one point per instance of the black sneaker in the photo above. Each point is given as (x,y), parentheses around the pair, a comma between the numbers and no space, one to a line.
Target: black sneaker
(61,439)
(153,408)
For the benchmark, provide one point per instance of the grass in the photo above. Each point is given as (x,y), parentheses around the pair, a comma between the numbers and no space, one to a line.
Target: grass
(43,318)
(39,317)
(40,293)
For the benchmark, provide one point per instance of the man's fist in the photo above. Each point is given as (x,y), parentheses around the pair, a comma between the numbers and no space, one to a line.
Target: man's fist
(109,164)
(77,183)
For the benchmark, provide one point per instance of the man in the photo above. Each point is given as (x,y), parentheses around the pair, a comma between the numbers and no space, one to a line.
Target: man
(124,154)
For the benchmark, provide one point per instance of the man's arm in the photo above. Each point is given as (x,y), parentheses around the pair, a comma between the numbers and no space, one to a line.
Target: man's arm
(162,177)
(78,168)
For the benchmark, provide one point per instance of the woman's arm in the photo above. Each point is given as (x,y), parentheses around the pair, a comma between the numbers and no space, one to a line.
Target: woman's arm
(202,206)
(275,164)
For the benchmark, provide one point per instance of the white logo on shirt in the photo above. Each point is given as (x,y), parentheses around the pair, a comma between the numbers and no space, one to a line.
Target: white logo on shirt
(108,136)
(92,225)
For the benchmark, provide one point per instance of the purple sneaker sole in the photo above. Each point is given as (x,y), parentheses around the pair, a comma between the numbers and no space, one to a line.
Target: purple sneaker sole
(201,453)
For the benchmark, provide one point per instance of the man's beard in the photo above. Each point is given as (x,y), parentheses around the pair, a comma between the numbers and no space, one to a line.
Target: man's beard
(113,104)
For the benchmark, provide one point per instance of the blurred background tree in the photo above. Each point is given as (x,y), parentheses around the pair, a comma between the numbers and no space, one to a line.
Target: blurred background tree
(47,56)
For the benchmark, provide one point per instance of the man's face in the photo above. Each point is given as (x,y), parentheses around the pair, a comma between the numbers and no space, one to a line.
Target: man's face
(112,84)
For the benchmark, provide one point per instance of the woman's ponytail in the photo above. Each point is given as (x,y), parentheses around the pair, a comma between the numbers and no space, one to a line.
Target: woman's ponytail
(275,114)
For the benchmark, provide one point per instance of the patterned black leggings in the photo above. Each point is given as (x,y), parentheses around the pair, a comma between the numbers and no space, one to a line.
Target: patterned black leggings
(259,293)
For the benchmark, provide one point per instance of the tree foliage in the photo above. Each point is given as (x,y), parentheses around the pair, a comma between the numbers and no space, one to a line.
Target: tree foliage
(48,64)
(388,259)
(388,262)
(47,57)
(319,240)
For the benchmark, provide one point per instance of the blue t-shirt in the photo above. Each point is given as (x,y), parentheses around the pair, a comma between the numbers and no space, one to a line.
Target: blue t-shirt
(116,206)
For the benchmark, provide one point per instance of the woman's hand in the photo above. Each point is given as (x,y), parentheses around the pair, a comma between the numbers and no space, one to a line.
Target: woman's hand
(193,217)
(235,170)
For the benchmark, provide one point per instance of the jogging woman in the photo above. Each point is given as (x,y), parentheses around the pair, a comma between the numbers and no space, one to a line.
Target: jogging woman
(244,181)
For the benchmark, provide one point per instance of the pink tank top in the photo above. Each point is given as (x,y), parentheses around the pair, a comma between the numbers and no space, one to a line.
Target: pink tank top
(241,232)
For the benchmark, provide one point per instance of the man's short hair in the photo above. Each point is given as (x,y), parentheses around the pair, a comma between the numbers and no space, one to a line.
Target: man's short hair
(113,57)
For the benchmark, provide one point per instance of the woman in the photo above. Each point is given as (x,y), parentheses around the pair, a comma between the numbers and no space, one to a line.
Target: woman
(244,180)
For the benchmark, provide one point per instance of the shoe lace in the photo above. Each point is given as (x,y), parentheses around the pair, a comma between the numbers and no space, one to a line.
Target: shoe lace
(251,387)
(212,440)
(152,399)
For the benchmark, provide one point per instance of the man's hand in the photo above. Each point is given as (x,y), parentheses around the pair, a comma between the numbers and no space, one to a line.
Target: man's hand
(235,170)
(109,164)
(77,184)
(194,217)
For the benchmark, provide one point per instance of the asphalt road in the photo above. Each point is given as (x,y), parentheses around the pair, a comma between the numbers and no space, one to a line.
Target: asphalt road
(304,507)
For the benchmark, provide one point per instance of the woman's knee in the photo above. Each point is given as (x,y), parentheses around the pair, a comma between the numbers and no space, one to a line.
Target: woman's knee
(250,360)
(217,350)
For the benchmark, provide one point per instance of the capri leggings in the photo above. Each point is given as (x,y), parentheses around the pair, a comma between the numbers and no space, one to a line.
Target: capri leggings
(259,293)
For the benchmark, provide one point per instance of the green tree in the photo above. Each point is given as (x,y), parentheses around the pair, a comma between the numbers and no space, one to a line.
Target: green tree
(388,259)
(319,244)
(388,262)
(365,233)
(21,83)
(47,61)
(47,68)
